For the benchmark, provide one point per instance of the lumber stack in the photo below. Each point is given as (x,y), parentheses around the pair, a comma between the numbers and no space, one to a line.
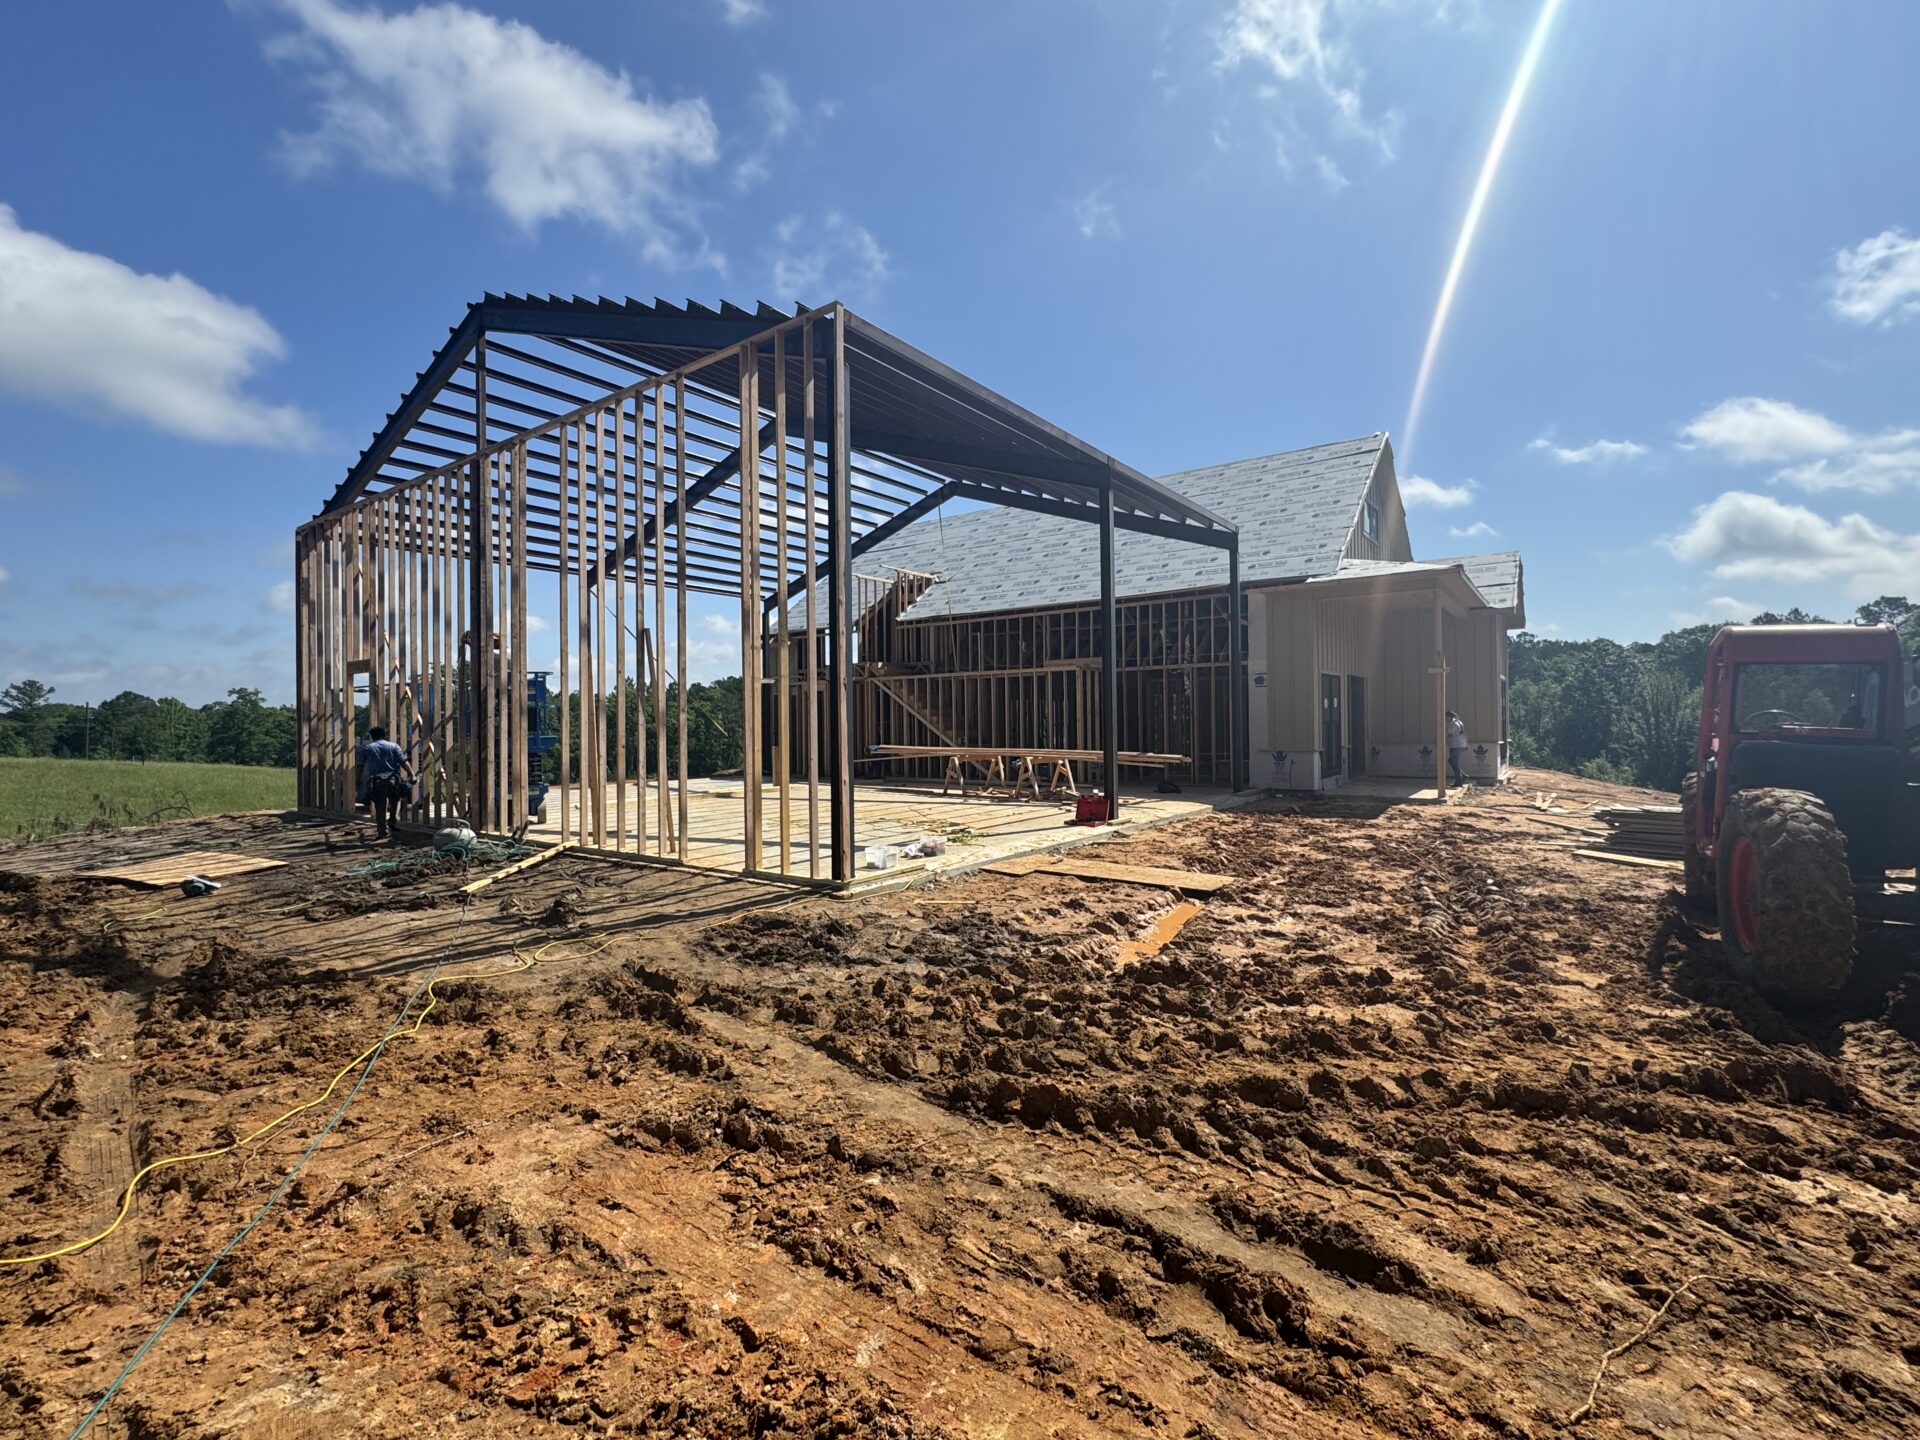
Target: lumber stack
(1649,830)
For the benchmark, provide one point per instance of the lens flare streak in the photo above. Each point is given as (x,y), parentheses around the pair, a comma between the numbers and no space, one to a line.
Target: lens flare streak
(1489,168)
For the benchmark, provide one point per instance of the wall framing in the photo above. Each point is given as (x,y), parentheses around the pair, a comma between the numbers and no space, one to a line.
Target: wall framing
(748,468)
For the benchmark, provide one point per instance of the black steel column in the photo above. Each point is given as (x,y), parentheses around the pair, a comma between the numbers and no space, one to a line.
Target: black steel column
(1236,673)
(1109,655)
(840,605)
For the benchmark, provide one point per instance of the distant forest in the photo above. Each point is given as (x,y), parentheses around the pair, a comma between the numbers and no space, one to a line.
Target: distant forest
(1626,713)
(1631,713)
(244,730)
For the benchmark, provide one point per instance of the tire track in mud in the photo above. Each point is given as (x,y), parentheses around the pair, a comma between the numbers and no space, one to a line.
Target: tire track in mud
(1488,970)
(1392,1138)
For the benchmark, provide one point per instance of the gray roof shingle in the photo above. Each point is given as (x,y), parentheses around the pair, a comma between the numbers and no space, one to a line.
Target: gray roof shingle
(1295,511)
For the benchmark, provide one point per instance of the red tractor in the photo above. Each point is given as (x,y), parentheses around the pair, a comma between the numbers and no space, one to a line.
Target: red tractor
(1805,794)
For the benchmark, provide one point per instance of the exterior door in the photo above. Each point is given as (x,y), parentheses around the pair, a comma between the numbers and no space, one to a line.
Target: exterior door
(1356,725)
(1332,760)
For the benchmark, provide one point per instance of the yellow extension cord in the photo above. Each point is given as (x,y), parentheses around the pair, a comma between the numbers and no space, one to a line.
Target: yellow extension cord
(523,963)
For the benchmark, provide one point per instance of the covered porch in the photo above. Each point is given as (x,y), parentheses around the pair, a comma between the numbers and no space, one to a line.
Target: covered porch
(1354,673)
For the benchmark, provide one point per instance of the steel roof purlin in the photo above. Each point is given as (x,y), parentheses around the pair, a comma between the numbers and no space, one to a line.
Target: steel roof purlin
(915,424)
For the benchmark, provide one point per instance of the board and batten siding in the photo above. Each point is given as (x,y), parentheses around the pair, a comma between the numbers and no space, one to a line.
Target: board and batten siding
(1388,642)
(1383,491)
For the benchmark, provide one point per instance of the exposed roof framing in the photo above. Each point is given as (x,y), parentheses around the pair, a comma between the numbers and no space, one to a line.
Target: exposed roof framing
(918,428)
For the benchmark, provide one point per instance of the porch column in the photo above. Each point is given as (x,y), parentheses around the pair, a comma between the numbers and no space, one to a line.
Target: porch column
(1109,655)
(1236,674)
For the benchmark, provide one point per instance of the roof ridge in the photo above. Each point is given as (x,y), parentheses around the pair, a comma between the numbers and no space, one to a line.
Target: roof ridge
(1376,439)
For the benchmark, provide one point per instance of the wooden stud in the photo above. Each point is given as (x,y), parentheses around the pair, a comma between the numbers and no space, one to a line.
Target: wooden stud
(750,696)
(783,739)
(680,597)
(566,675)
(523,810)
(663,826)
(620,640)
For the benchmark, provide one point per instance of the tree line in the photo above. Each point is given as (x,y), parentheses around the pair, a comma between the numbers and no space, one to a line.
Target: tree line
(1625,713)
(1631,713)
(244,730)
(239,730)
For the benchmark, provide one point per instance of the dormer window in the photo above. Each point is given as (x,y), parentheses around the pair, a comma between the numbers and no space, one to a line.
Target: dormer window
(1370,520)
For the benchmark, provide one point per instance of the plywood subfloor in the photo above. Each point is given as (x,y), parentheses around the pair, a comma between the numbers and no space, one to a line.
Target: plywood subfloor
(979,830)
(172,869)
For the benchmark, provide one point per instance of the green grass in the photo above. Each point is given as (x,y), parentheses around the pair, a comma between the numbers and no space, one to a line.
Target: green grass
(41,797)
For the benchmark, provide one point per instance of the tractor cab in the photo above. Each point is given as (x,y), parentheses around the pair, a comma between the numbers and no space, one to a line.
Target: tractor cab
(1804,793)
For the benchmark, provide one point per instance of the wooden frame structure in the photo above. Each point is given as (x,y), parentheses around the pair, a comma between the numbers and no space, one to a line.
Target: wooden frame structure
(650,452)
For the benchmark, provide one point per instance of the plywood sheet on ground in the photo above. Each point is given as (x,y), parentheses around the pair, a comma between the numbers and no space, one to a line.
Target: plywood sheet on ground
(1620,857)
(172,869)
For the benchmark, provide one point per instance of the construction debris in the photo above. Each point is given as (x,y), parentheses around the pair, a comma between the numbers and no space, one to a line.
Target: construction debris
(1650,830)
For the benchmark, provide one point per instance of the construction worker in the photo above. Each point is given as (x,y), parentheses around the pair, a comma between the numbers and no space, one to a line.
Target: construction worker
(1456,747)
(389,781)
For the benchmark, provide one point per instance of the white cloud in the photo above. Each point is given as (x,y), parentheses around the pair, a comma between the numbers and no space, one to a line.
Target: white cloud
(1418,490)
(1877,467)
(1720,610)
(713,650)
(776,104)
(1878,280)
(1478,530)
(1741,536)
(1751,428)
(1094,215)
(442,92)
(280,597)
(782,118)
(1599,452)
(82,329)
(538,625)
(5,575)
(1829,455)
(832,258)
(1330,173)
(742,13)
(1304,46)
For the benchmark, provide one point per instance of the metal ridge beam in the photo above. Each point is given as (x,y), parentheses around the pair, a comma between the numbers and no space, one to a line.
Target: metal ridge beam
(446,362)
(1048,468)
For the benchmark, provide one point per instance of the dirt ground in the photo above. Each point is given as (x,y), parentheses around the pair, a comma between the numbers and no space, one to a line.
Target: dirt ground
(1399,1134)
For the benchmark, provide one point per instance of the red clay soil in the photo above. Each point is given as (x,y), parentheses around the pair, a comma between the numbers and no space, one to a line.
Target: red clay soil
(1395,1137)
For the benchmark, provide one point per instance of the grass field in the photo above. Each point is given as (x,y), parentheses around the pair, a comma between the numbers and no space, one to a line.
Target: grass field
(47,797)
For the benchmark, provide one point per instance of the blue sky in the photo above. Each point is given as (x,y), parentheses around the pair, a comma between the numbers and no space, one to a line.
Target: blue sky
(1679,374)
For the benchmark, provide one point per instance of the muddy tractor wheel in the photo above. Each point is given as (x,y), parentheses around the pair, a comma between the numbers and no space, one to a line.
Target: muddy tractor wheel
(1699,889)
(1786,899)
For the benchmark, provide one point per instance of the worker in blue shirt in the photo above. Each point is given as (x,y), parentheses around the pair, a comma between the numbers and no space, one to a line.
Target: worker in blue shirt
(389,781)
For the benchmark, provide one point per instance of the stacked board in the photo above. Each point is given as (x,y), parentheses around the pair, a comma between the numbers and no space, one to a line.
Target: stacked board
(1649,830)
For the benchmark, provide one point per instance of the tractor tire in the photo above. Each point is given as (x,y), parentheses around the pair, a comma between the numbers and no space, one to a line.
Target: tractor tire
(1699,887)
(1786,897)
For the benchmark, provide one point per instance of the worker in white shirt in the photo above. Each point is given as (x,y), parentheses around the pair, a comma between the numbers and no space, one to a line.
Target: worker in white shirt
(1456,747)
